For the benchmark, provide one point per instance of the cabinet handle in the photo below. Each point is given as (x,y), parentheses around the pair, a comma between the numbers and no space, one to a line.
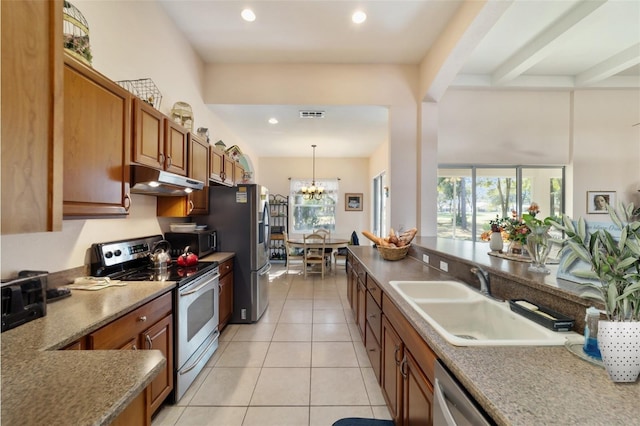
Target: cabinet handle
(403,367)
(134,347)
(162,158)
(168,161)
(127,202)
(142,318)
(372,316)
(395,355)
(191,206)
(372,288)
(149,341)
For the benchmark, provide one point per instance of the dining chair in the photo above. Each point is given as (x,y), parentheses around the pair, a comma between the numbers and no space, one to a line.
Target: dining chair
(328,252)
(293,255)
(314,253)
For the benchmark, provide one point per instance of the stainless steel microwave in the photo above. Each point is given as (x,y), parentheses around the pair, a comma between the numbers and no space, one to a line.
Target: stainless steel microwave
(200,243)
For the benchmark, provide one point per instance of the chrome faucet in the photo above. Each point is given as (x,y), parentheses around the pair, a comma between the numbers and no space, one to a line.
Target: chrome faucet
(483,277)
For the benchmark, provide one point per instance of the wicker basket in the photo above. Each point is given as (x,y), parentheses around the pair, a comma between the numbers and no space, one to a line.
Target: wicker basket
(393,253)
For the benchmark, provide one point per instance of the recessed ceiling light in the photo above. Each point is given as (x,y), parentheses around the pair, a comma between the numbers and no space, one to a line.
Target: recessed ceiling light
(248,15)
(273,120)
(358,17)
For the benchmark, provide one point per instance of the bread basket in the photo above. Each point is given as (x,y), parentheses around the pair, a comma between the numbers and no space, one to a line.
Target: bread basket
(393,253)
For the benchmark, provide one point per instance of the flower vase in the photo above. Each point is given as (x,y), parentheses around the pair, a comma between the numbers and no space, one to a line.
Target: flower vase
(515,248)
(495,242)
(619,343)
(538,245)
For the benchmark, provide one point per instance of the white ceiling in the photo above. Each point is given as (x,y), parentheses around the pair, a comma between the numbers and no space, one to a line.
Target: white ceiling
(535,44)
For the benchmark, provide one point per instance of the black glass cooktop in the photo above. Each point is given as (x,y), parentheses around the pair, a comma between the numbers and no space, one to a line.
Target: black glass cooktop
(173,273)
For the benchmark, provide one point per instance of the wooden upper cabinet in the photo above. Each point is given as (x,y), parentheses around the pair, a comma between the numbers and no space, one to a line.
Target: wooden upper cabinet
(32,116)
(238,173)
(158,142)
(175,148)
(216,164)
(197,202)
(228,170)
(97,143)
(148,135)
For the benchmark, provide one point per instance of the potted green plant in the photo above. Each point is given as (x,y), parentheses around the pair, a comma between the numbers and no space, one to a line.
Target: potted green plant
(615,280)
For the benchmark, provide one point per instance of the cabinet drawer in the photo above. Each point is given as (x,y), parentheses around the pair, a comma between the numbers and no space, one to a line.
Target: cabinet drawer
(374,289)
(226,267)
(373,351)
(122,330)
(374,316)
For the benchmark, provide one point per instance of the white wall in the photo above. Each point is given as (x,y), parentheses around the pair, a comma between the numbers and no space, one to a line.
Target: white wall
(394,86)
(353,174)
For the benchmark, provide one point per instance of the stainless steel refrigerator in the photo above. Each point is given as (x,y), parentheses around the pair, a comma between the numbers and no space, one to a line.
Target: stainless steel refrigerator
(240,217)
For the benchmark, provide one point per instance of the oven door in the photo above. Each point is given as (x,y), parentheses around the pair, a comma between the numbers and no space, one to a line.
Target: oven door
(197,314)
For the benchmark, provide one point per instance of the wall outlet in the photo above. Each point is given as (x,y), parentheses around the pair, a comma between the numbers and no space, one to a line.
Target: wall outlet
(444,266)
(425,258)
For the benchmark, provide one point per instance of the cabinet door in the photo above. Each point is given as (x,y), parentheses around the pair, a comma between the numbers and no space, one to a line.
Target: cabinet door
(175,148)
(97,143)
(216,164)
(228,170)
(199,169)
(418,394)
(148,135)
(226,299)
(361,316)
(32,120)
(238,173)
(390,377)
(160,337)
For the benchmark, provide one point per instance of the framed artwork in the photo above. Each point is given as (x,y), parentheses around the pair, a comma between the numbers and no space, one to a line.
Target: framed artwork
(353,202)
(597,201)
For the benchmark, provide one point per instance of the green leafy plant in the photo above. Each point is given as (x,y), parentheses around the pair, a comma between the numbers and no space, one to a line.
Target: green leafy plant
(615,263)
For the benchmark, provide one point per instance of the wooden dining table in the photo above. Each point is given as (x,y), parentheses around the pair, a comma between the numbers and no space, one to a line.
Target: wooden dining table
(332,243)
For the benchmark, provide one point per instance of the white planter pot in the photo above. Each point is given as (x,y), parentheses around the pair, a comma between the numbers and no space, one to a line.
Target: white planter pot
(495,241)
(619,344)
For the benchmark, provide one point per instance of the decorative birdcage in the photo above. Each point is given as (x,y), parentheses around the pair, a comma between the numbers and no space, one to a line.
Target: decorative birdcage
(183,114)
(144,89)
(76,33)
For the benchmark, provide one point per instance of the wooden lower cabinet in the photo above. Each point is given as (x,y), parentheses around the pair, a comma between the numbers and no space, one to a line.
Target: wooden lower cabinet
(391,378)
(135,414)
(418,394)
(226,293)
(407,369)
(148,327)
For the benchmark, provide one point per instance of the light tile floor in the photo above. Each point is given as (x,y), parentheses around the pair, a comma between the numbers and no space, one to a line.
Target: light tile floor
(302,364)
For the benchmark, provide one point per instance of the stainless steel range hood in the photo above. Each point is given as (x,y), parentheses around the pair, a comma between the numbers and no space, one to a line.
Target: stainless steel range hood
(148,181)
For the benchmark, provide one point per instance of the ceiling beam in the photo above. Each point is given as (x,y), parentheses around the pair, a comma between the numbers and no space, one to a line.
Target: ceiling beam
(541,46)
(610,67)
(463,33)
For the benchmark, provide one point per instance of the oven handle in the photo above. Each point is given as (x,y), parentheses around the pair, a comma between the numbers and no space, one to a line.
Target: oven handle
(186,369)
(195,290)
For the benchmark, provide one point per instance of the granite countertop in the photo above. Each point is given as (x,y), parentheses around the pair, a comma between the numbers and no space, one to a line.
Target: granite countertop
(42,385)
(515,385)
(219,256)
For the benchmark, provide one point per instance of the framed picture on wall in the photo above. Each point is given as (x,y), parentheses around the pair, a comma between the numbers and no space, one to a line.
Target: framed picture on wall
(597,201)
(353,202)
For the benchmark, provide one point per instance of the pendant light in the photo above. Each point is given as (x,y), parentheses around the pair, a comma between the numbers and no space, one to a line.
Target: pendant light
(313,191)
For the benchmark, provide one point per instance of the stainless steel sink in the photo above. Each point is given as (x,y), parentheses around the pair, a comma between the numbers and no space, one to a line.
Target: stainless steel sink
(464,317)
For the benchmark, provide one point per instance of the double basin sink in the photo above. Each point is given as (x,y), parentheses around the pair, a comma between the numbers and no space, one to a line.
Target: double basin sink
(465,317)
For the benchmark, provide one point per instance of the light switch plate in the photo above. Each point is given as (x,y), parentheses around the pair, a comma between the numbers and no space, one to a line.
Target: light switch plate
(425,258)
(444,266)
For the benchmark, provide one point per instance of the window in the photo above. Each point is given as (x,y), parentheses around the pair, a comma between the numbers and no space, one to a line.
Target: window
(307,215)
(470,196)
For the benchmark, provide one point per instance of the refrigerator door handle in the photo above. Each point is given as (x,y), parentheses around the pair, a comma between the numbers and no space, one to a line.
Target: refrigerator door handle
(268,266)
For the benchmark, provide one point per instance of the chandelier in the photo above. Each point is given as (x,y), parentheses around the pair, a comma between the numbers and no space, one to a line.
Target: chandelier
(313,191)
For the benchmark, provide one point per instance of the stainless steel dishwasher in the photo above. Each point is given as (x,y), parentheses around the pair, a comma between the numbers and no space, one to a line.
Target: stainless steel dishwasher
(452,405)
